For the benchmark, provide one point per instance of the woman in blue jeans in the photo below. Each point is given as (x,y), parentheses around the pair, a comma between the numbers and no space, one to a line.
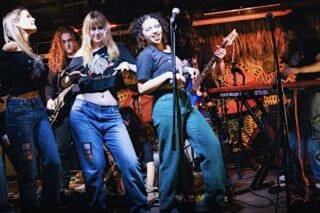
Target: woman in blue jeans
(154,73)
(95,118)
(63,46)
(27,124)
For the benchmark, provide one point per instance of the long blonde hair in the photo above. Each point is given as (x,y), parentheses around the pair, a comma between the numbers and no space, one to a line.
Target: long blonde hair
(13,33)
(97,18)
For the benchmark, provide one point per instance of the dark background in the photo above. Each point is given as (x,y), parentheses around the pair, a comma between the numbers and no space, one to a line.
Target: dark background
(50,14)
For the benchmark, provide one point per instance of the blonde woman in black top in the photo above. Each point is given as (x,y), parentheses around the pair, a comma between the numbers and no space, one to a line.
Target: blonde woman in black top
(27,123)
(95,118)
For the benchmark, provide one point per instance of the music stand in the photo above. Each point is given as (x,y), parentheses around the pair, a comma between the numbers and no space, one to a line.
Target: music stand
(239,103)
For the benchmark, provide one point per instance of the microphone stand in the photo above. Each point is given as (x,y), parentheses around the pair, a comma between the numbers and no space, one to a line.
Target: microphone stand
(234,71)
(176,109)
(177,132)
(283,130)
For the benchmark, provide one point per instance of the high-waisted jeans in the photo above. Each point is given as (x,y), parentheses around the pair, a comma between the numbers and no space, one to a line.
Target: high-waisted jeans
(93,127)
(204,143)
(31,135)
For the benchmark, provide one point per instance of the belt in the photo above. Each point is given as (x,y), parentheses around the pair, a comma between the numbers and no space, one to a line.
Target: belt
(28,95)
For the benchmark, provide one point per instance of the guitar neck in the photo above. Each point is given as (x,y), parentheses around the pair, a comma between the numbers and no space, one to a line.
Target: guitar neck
(206,70)
(204,73)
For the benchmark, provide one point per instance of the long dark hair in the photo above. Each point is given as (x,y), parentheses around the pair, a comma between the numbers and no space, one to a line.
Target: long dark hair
(135,29)
(186,38)
(301,34)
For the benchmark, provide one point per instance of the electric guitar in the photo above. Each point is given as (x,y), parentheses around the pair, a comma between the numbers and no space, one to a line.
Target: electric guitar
(59,102)
(194,84)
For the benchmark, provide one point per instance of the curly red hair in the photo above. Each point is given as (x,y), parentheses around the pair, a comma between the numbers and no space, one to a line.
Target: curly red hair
(57,54)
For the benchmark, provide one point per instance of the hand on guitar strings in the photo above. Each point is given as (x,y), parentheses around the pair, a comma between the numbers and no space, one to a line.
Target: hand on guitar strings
(181,80)
(220,52)
(75,75)
(193,72)
(187,69)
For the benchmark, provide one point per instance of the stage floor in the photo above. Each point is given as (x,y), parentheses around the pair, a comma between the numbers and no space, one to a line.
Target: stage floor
(242,201)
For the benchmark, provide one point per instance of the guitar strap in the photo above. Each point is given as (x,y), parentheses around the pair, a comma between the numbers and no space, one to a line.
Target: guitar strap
(59,76)
(58,89)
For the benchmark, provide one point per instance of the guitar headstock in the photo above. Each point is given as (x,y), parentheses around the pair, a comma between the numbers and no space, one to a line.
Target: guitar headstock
(228,40)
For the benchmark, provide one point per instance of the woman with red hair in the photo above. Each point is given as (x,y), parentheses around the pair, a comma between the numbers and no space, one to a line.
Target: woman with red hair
(64,45)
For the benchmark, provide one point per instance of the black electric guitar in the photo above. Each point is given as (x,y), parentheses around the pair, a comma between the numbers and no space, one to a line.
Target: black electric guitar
(59,103)
(199,79)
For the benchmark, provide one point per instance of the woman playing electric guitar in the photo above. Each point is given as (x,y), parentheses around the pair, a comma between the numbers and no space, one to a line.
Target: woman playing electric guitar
(64,45)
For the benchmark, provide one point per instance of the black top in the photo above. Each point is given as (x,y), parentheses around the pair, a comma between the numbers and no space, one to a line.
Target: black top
(152,62)
(19,73)
(305,55)
(99,71)
(53,88)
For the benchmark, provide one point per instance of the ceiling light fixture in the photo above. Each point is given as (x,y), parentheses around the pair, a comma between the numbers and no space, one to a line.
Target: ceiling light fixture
(242,14)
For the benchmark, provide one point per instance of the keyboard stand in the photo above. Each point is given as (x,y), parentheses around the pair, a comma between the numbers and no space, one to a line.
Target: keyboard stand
(269,154)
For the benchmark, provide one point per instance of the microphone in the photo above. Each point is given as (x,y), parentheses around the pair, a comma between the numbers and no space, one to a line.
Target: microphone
(175,12)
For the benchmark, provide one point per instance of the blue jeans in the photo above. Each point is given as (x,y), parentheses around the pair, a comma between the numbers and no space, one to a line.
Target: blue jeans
(29,130)
(309,122)
(314,140)
(5,207)
(204,143)
(96,126)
